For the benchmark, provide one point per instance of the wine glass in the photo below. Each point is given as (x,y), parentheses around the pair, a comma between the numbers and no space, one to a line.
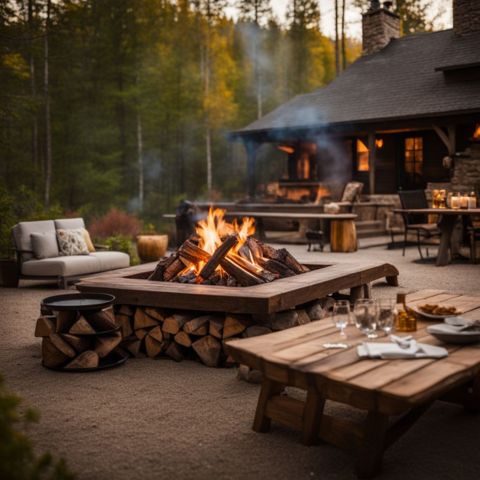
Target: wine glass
(341,315)
(366,312)
(386,315)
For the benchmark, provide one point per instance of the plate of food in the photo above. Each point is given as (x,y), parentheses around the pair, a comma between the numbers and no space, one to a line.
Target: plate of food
(435,311)
(456,330)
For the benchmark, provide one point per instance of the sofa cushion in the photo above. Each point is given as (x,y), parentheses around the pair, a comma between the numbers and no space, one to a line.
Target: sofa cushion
(44,245)
(68,223)
(112,260)
(72,242)
(22,234)
(62,266)
(88,240)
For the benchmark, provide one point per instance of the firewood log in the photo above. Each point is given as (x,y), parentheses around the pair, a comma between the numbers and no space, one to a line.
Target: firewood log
(215,327)
(104,344)
(249,375)
(278,267)
(127,310)
(291,262)
(182,338)
(201,331)
(315,311)
(303,317)
(175,322)
(253,269)
(156,333)
(51,355)
(243,277)
(218,255)
(79,343)
(125,324)
(155,313)
(62,345)
(132,345)
(101,321)
(174,351)
(194,324)
(208,349)
(235,325)
(142,320)
(141,332)
(163,263)
(283,320)
(269,252)
(45,326)
(192,253)
(153,347)
(256,330)
(65,320)
(173,270)
(81,326)
(254,247)
(87,359)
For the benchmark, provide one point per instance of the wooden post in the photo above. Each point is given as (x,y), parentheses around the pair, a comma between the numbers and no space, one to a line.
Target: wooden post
(371,162)
(251,147)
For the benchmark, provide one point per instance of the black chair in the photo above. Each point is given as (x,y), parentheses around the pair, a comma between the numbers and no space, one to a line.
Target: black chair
(415,222)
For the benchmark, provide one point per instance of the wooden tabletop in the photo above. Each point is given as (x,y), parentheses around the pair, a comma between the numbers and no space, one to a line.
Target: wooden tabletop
(297,356)
(440,211)
(299,216)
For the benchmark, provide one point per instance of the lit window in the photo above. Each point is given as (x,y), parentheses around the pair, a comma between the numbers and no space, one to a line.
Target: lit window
(414,156)
(363,163)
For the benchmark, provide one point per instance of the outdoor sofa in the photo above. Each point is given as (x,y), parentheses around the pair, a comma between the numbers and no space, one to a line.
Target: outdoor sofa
(50,263)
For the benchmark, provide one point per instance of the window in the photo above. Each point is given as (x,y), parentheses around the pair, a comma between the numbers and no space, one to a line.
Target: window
(363,162)
(414,156)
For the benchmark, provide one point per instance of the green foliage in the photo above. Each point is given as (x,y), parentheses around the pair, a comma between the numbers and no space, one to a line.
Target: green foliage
(123,243)
(18,460)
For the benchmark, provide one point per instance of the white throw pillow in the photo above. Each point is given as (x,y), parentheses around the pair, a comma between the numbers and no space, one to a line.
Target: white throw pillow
(44,245)
(72,242)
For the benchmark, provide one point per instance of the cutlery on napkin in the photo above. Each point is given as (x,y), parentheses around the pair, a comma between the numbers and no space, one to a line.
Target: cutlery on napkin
(400,347)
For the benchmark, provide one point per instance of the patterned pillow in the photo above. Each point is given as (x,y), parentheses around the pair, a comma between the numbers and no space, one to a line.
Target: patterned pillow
(72,242)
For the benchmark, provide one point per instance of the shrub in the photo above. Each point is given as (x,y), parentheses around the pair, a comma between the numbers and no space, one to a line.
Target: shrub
(113,223)
(18,460)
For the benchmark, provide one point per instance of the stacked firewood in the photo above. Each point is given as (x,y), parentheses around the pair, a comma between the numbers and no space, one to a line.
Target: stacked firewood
(202,336)
(253,263)
(77,340)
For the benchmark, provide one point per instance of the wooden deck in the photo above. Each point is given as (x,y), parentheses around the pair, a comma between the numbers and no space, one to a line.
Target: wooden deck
(383,388)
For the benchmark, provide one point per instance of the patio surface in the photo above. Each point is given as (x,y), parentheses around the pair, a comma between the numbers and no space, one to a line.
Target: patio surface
(161,419)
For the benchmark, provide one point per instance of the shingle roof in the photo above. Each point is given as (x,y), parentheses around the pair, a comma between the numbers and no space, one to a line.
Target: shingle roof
(400,81)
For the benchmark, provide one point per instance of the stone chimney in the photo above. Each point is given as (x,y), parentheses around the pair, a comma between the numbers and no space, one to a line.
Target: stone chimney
(379,25)
(466,16)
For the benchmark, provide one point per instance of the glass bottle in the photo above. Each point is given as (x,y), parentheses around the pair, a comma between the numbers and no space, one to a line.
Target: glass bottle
(406,321)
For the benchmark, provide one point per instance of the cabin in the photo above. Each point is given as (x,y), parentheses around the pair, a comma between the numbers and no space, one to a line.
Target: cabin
(405,114)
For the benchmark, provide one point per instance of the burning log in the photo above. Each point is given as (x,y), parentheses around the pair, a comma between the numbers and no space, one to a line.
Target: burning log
(291,262)
(192,253)
(243,277)
(218,256)
(173,269)
(278,267)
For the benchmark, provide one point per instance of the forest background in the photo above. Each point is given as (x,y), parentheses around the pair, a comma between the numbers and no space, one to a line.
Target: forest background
(127,103)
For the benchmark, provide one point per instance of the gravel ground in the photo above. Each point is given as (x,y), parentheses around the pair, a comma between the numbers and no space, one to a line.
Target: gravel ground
(159,419)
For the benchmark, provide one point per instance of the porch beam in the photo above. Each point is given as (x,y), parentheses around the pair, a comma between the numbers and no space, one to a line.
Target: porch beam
(448,138)
(372,150)
(251,148)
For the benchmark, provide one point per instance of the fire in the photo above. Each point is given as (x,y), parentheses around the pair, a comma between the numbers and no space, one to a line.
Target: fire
(476,133)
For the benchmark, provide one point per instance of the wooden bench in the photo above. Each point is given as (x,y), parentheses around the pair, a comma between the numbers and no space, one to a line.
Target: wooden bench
(383,388)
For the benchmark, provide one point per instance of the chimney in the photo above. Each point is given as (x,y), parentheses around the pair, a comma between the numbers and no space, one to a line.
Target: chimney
(379,25)
(466,16)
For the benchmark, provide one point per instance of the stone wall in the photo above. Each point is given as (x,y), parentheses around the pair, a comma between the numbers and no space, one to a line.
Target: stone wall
(466,16)
(378,28)
(466,174)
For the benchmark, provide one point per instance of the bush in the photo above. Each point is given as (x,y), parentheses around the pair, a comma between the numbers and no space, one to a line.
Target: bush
(17,458)
(115,223)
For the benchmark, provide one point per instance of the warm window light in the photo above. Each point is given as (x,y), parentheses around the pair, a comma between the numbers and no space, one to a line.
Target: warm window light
(286,149)
(476,133)
(379,143)
(363,164)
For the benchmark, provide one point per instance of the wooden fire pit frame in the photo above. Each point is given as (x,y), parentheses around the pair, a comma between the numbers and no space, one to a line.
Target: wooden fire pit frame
(131,287)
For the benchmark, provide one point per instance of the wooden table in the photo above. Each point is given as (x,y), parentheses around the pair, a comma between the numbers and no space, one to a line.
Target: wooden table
(448,218)
(382,388)
(343,234)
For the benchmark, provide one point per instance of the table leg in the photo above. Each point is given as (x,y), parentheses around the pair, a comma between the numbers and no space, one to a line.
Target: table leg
(312,415)
(370,453)
(446,225)
(270,388)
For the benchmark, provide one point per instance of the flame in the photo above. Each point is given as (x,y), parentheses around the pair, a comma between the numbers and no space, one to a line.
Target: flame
(476,133)
(286,149)
(214,228)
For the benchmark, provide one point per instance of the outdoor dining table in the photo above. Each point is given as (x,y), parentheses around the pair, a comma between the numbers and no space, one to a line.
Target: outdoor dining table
(448,219)
(393,393)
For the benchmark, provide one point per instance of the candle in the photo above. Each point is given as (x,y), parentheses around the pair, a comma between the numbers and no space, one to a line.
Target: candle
(472,201)
(463,201)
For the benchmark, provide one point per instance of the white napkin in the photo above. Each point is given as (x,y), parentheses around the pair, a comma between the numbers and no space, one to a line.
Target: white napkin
(394,350)
(450,329)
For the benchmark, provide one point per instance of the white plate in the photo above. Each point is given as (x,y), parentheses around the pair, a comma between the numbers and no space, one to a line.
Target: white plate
(435,317)
(446,334)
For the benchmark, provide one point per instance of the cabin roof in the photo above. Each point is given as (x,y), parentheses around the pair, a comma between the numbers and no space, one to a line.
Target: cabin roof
(406,79)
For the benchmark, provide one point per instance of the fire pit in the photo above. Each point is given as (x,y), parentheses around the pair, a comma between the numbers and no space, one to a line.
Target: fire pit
(220,284)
